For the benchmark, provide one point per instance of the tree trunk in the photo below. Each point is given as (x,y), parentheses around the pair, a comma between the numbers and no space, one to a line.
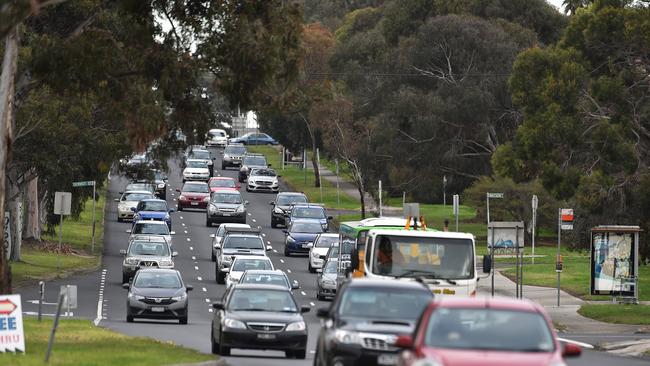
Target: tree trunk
(7,78)
(32,217)
(314,163)
(15,209)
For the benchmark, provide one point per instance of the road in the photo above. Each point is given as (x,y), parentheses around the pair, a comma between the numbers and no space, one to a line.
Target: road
(102,298)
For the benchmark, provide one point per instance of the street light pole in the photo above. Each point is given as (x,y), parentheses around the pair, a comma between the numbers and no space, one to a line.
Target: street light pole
(444,190)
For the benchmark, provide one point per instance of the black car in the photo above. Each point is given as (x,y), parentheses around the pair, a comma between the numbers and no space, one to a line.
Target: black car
(263,317)
(365,319)
(282,206)
(157,294)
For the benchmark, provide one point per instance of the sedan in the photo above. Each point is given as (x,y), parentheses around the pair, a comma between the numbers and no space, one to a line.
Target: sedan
(253,138)
(226,206)
(263,317)
(153,209)
(193,195)
(484,331)
(216,137)
(319,249)
(221,232)
(196,169)
(263,180)
(243,263)
(149,228)
(143,253)
(300,236)
(130,200)
(157,294)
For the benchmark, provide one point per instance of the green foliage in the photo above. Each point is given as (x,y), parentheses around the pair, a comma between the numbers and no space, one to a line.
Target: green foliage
(619,314)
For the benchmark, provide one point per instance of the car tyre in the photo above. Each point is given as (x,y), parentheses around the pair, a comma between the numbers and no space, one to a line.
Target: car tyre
(273,224)
(213,257)
(310,268)
(215,345)
(223,167)
(320,297)
(182,320)
(223,350)
(286,251)
(221,278)
(179,209)
(300,354)
(125,278)
(208,223)
(129,319)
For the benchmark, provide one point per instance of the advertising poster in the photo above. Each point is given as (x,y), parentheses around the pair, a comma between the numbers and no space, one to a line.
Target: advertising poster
(612,261)
(505,235)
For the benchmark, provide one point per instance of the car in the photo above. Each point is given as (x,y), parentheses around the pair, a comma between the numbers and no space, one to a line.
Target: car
(225,205)
(310,211)
(232,155)
(153,209)
(217,183)
(140,186)
(193,195)
(216,137)
(128,200)
(221,233)
(263,180)
(282,206)
(249,162)
(160,181)
(332,252)
(268,277)
(300,236)
(148,227)
(326,280)
(484,331)
(157,294)
(253,138)
(319,249)
(366,317)
(203,155)
(146,253)
(245,262)
(237,244)
(259,317)
(196,169)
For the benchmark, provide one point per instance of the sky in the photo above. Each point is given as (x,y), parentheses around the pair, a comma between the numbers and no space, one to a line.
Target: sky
(556,3)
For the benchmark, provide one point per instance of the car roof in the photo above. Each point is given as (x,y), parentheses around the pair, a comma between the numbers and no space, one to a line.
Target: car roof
(246,235)
(499,303)
(191,182)
(252,257)
(310,220)
(228,191)
(222,178)
(329,235)
(159,270)
(138,191)
(291,194)
(153,200)
(308,205)
(386,283)
(151,222)
(255,286)
(233,225)
(149,237)
(266,271)
(254,154)
(196,160)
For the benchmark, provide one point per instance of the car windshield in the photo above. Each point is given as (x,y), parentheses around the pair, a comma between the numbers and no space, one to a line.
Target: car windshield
(333,252)
(150,228)
(242,264)
(384,302)
(255,161)
(157,280)
(235,150)
(243,242)
(140,187)
(405,256)
(200,154)
(262,300)
(265,279)
(285,200)
(308,212)
(326,241)
(489,329)
(217,133)
(149,248)
(306,227)
(263,173)
(233,198)
(330,267)
(152,206)
(196,188)
(160,176)
(136,196)
(225,183)
(197,164)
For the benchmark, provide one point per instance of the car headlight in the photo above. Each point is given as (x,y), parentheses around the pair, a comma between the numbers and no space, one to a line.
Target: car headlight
(122,206)
(180,298)
(213,208)
(206,199)
(241,209)
(329,282)
(161,185)
(345,336)
(296,327)
(251,182)
(135,297)
(182,198)
(233,324)
(131,261)
(166,263)
(290,239)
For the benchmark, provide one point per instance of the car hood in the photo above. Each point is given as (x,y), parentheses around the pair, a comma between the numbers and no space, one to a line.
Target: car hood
(381,326)
(150,258)
(214,189)
(464,357)
(129,203)
(254,167)
(320,251)
(265,316)
(232,206)
(152,214)
(235,276)
(196,170)
(328,276)
(207,161)
(158,292)
(261,178)
(303,236)
(233,251)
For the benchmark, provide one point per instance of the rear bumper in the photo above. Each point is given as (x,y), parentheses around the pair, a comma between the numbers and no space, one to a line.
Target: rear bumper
(250,340)
(189,204)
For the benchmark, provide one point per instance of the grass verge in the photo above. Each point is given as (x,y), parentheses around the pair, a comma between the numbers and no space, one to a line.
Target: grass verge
(619,314)
(78,233)
(79,342)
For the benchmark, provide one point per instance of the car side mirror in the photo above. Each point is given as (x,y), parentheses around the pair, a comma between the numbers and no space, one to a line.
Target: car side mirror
(123,251)
(178,190)
(404,341)
(268,247)
(116,200)
(487,263)
(323,312)
(174,254)
(128,231)
(305,309)
(172,210)
(218,305)
(319,270)
(189,287)
(571,350)
(126,286)
(172,233)
(134,209)
(295,286)
(213,236)
(246,203)
(272,203)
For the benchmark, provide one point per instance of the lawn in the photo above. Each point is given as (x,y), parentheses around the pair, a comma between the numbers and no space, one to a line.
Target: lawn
(79,342)
(78,233)
(620,314)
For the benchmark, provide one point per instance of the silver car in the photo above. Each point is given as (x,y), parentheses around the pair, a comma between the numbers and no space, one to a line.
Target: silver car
(221,233)
(152,252)
(128,200)
(226,205)
(326,281)
(232,155)
(319,250)
(151,227)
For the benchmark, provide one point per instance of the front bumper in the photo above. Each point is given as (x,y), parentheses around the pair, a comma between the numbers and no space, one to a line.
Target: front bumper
(197,178)
(244,338)
(163,310)
(297,247)
(326,290)
(125,214)
(262,187)
(232,162)
(355,355)
(234,217)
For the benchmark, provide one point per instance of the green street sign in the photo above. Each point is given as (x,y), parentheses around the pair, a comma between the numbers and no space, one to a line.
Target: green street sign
(88,183)
(495,195)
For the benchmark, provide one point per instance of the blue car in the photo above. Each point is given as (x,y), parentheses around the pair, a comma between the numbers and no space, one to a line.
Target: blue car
(153,209)
(308,211)
(253,138)
(300,236)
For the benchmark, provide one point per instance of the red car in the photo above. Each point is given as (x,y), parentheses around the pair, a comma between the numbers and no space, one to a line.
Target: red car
(193,195)
(218,183)
(486,332)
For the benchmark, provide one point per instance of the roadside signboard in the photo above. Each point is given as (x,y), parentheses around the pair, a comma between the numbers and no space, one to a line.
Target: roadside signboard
(614,260)
(494,195)
(88,183)
(62,203)
(566,217)
(505,234)
(12,336)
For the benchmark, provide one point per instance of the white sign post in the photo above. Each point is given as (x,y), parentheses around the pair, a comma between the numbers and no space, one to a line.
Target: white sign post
(62,205)
(564,222)
(534,202)
(456,208)
(12,335)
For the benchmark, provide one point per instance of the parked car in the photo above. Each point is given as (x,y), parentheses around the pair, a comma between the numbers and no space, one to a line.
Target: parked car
(151,228)
(200,153)
(128,200)
(232,155)
(218,183)
(193,195)
(157,294)
(249,162)
(300,236)
(282,206)
(485,331)
(326,280)
(263,180)
(245,262)
(216,137)
(153,209)
(237,244)
(152,252)
(365,319)
(259,317)
(319,249)
(196,169)
(268,277)
(310,211)
(222,231)
(226,205)
(253,138)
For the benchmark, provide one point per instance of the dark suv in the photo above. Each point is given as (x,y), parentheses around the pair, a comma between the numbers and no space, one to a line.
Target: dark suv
(366,317)
(282,206)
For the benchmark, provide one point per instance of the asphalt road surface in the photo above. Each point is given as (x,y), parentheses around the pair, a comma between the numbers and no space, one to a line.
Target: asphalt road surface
(102,298)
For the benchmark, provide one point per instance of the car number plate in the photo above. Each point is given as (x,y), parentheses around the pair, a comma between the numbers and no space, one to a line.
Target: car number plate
(305,245)
(226,214)
(387,360)
(266,336)
(158,309)
(194,203)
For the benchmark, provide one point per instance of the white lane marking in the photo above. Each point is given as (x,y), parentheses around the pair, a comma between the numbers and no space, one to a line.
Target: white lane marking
(174,199)
(312,304)
(100,300)
(250,214)
(288,270)
(191,248)
(188,239)
(294,281)
(181,217)
(281,260)
(182,223)
(312,351)
(264,235)
(207,300)
(205,289)
(268,242)
(196,268)
(193,258)
(185,231)
(254,220)
(210,310)
(199,279)
(581,344)
(303,293)
(275,251)
(259,227)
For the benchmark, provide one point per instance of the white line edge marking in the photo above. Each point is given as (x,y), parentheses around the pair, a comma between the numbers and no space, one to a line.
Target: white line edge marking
(281,260)
(100,300)
(196,268)
(207,300)
(191,248)
(205,289)
(188,239)
(275,251)
(199,279)
(264,235)
(312,304)
(303,293)
(254,220)
(193,258)
(288,270)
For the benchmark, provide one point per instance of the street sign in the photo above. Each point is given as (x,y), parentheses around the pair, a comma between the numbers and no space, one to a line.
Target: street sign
(88,183)
(494,195)
(62,203)
(456,204)
(12,335)
(566,217)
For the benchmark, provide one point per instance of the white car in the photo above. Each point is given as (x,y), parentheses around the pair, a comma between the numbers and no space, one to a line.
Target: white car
(128,201)
(218,236)
(263,180)
(244,263)
(151,227)
(319,249)
(217,137)
(196,169)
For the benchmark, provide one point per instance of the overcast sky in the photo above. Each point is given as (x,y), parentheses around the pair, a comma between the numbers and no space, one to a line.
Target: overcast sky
(556,3)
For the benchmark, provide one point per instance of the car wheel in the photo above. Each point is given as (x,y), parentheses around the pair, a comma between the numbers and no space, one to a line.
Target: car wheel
(120,219)
(273,224)
(319,297)
(300,354)
(317,361)
(125,278)
(288,354)
(286,251)
(221,278)
(208,223)
(182,320)
(223,167)
(180,208)
(223,350)
(215,345)
(129,319)
(310,268)
(213,257)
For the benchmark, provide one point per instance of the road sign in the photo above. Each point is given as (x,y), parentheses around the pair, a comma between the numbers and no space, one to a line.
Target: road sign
(456,208)
(88,183)
(62,203)
(566,217)
(494,195)
(12,336)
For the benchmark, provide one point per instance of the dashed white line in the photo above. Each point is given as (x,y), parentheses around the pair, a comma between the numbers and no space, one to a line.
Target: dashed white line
(191,248)
(188,239)
(210,310)
(254,220)
(281,260)
(100,300)
(250,214)
(181,217)
(207,300)
(288,270)
(174,199)
(312,304)
(275,251)
(303,293)
(199,279)
(196,268)
(268,242)
(205,289)
(182,223)
(185,231)
(264,235)
(193,258)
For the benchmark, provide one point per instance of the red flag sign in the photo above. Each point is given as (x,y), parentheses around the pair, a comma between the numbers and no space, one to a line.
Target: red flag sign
(567,215)
(7,307)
